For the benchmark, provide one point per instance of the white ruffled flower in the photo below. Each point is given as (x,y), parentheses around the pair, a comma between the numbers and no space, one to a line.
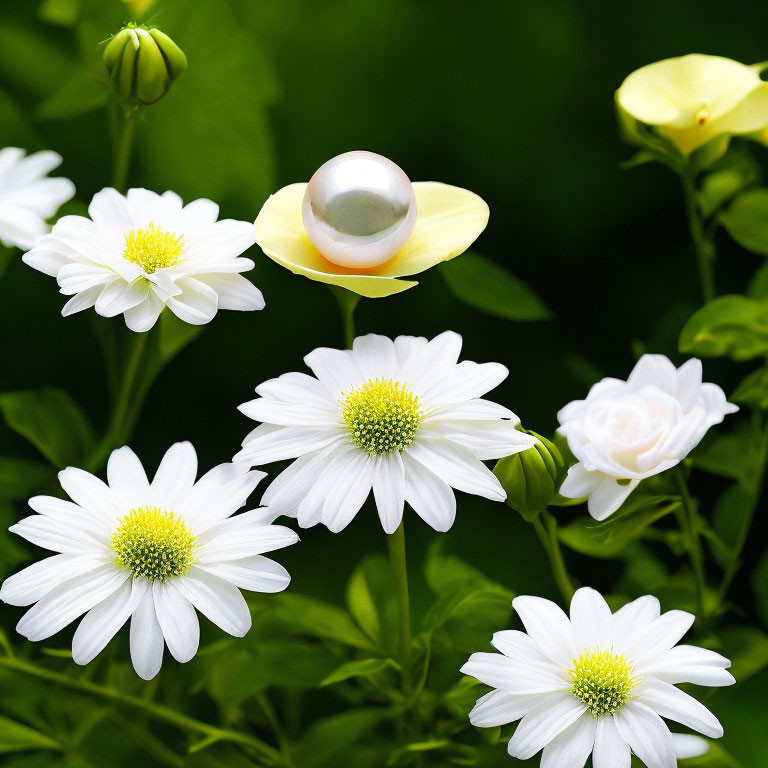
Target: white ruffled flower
(401,417)
(597,683)
(141,252)
(27,196)
(151,552)
(626,431)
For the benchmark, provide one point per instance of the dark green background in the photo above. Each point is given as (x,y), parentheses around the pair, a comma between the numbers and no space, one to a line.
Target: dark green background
(513,100)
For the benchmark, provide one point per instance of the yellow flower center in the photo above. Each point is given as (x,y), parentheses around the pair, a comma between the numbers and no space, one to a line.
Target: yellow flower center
(153,543)
(602,680)
(382,416)
(153,248)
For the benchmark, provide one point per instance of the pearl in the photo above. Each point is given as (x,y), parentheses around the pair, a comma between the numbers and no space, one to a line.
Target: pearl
(359,209)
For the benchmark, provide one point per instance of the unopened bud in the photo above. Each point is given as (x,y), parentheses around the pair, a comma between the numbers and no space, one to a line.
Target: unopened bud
(142,64)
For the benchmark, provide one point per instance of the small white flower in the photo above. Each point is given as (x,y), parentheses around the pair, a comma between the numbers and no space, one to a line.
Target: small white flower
(151,552)
(27,196)
(626,431)
(139,253)
(597,683)
(400,417)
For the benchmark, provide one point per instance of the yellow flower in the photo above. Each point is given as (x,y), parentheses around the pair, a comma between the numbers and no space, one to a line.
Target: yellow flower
(692,99)
(449,219)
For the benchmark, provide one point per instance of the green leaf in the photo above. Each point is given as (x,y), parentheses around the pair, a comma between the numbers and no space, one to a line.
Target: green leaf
(330,735)
(733,326)
(490,288)
(317,618)
(747,648)
(760,586)
(52,421)
(715,757)
(728,454)
(20,479)
(609,538)
(753,390)
(15,737)
(758,285)
(361,668)
(81,93)
(465,604)
(747,220)
(175,334)
(372,600)
(729,177)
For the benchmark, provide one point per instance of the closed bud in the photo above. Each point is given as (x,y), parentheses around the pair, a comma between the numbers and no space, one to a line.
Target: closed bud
(532,478)
(142,64)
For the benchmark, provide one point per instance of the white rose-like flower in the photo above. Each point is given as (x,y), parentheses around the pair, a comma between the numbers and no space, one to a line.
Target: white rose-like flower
(141,252)
(148,552)
(626,431)
(28,196)
(597,683)
(401,417)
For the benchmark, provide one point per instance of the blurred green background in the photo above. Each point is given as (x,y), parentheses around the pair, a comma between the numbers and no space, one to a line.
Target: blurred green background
(512,100)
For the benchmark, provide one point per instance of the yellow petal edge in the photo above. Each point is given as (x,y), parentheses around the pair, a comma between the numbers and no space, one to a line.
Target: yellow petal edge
(449,219)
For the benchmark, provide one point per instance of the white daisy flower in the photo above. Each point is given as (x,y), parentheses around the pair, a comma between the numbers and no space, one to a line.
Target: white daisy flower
(28,196)
(597,683)
(626,431)
(141,252)
(401,417)
(151,552)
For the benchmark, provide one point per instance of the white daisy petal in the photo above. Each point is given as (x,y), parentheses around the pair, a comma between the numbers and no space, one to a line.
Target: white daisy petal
(234,292)
(572,747)
(647,735)
(687,746)
(55,535)
(457,466)
(661,634)
(346,495)
(547,719)
(143,317)
(519,677)
(591,618)
(63,604)
(335,369)
(389,489)
(499,708)
(241,536)
(176,475)
(119,296)
(177,619)
(127,477)
(375,356)
(89,492)
(269,443)
(432,499)
(674,704)
(688,664)
(255,573)
(197,304)
(611,750)
(70,514)
(549,627)
(103,621)
(146,639)
(217,599)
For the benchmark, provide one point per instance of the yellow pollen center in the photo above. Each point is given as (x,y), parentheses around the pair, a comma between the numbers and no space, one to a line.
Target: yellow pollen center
(602,680)
(152,248)
(382,415)
(153,543)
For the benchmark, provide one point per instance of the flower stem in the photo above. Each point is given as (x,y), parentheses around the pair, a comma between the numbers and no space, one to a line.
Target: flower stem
(158,711)
(347,303)
(545,526)
(119,424)
(396,545)
(686,516)
(702,243)
(122,153)
(755,488)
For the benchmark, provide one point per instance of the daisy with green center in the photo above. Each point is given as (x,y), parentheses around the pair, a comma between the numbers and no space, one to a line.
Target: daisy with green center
(141,252)
(402,418)
(148,552)
(597,683)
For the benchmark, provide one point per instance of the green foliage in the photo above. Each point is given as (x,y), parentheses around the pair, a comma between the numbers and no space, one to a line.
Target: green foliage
(372,601)
(16,737)
(488,287)
(52,421)
(747,220)
(733,326)
(753,390)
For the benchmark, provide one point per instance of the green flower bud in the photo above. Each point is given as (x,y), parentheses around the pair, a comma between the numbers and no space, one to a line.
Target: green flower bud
(532,478)
(142,64)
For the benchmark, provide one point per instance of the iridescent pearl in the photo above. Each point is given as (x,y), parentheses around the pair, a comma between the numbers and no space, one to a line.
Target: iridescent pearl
(359,209)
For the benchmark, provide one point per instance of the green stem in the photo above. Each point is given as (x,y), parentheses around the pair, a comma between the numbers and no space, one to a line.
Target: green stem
(755,488)
(347,303)
(277,729)
(396,545)
(119,424)
(122,153)
(545,526)
(686,517)
(702,244)
(157,711)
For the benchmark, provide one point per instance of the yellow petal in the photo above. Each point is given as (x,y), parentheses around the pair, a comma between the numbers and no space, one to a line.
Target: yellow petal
(678,92)
(280,234)
(750,114)
(449,219)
